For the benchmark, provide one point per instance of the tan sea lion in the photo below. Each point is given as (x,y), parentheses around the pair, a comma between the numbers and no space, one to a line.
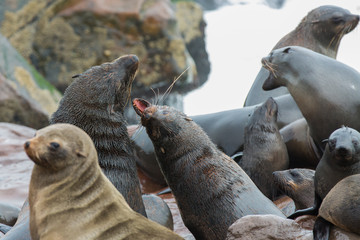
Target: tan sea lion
(340,159)
(71,198)
(340,207)
(264,148)
(95,102)
(298,184)
(321,30)
(211,190)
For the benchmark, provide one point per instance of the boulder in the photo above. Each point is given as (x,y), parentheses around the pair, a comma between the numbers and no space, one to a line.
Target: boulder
(26,98)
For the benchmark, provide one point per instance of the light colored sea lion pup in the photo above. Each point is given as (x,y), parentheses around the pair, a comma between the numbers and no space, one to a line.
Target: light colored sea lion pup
(71,198)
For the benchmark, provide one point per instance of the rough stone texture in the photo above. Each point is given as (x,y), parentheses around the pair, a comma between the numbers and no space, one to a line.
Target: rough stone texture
(263,227)
(25,97)
(15,166)
(260,227)
(62,38)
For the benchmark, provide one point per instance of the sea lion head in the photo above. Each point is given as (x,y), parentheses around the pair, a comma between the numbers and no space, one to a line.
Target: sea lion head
(161,122)
(58,146)
(298,184)
(108,85)
(330,23)
(344,146)
(265,114)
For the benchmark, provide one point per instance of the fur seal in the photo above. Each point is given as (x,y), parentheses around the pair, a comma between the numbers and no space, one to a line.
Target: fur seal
(95,102)
(321,30)
(211,190)
(340,159)
(71,198)
(298,184)
(319,85)
(264,149)
(340,207)
(226,130)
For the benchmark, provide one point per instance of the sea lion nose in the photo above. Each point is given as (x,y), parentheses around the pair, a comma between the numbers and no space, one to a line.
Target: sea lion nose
(27,144)
(343,151)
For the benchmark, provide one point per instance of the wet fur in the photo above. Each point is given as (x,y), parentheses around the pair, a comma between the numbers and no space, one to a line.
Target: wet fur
(211,190)
(95,102)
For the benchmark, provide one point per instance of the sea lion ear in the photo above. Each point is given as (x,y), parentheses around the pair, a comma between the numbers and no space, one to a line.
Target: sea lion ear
(80,154)
(75,76)
(286,50)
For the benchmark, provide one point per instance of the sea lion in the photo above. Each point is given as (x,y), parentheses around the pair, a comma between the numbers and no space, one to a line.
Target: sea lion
(71,198)
(211,190)
(298,184)
(95,102)
(340,159)
(226,130)
(321,30)
(319,85)
(340,207)
(264,149)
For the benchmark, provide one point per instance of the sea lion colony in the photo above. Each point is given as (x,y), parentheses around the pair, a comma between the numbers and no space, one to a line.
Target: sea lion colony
(212,191)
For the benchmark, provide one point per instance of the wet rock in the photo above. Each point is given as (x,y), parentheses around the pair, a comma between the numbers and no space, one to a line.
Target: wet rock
(8,214)
(63,38)
(16,167)
(25,97)
(158,211)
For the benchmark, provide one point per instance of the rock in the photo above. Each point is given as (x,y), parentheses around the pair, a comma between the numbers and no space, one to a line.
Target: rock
(21,229)
(25,97)
(158,211)
(63,38)
(16,167)
(259,227)
(275,3)
(8,214)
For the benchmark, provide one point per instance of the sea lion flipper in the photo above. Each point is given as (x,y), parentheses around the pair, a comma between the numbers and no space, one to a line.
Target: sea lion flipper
(321,229)
(314,210)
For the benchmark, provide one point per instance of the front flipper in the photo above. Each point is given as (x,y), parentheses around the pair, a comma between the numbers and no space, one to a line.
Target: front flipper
(321,229)
(314,210)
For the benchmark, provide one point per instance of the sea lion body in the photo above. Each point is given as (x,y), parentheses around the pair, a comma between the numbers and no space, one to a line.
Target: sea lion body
(298,184)
(264,149)
(341,206)
(340,160)
(211,190)
(319,85)
(95,102)
(226,130)
(71,198)
(321,30)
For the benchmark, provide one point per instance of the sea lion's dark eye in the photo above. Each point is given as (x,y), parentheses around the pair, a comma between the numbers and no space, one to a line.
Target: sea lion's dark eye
(165,112)
(54,145)
(355,142)
(332,144)
(337,20)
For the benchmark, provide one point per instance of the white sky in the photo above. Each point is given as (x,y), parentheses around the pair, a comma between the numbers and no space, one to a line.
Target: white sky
(238,36)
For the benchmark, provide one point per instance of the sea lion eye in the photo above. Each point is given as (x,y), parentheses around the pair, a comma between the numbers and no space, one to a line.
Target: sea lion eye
(54,145)
(165,112)
(332,144)
(286,50)
(337,20)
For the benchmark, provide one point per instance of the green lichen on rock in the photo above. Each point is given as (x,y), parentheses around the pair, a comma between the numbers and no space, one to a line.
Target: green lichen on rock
(189,24)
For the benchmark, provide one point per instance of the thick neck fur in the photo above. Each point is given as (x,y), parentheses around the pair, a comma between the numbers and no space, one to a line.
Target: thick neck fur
(107,129)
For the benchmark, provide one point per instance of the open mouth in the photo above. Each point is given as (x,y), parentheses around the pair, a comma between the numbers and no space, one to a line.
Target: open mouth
(140,105)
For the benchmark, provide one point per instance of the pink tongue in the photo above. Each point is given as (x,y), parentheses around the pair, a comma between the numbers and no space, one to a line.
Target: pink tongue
(140,105)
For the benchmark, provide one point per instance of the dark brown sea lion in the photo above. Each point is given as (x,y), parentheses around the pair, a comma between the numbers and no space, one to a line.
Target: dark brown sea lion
(321,30)
(319,85)
(298,184)
(226,130)
(211,190)
(71,198)
(95,102)
(340,159)
(340,207)
(264,149)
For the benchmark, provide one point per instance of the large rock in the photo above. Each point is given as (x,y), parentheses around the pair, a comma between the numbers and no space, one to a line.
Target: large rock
(26,98)
(62,38)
